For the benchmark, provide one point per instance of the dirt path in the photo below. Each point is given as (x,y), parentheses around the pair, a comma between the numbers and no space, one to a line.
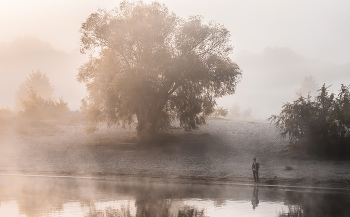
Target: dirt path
(221,151)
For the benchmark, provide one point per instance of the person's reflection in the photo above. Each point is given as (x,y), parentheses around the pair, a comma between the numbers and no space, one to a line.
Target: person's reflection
(255,197)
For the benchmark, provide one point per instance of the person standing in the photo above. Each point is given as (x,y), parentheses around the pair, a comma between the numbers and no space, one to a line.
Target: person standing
(255,168)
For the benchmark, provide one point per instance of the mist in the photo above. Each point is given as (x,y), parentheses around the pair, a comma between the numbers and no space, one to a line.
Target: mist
(272,78)
(24,55)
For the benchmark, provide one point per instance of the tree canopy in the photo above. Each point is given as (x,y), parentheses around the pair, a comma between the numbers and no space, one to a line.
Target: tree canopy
(150,65)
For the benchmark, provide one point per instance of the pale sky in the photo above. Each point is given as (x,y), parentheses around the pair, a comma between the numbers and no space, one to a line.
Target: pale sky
(315,30)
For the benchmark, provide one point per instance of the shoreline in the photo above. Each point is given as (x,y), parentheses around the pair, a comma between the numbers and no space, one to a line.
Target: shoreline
(329,185)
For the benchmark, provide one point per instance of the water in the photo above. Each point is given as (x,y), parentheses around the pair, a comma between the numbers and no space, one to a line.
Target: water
(45,196)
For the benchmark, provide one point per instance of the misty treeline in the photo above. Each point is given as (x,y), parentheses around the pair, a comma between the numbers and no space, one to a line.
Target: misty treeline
(318,126)
(34,102)
(149,66)
(34,98)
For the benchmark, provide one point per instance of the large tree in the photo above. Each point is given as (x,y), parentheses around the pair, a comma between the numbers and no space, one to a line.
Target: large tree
(146,62)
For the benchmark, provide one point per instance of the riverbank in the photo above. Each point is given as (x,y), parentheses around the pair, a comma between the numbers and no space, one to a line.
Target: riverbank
(219,152)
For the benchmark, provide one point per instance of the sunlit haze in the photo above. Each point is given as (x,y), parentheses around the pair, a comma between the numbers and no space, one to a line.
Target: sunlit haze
(276,44)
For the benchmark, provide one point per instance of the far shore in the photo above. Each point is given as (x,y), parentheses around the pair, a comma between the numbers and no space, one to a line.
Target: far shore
(220,152)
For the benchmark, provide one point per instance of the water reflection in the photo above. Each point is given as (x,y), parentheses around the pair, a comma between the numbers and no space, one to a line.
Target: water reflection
(109,212)
(255,197)
(316,204)
(155,210)
(29,196)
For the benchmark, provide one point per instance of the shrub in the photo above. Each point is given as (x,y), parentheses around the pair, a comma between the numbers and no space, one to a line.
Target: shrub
(320,126)
(38,108)
(220,112)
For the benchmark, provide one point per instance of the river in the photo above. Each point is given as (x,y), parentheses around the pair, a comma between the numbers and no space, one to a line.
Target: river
(125,197)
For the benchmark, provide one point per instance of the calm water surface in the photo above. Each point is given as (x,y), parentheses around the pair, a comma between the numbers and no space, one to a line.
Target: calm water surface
(43,196)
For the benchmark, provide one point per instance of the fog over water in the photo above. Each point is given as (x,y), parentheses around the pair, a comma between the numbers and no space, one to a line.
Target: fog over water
(276,44)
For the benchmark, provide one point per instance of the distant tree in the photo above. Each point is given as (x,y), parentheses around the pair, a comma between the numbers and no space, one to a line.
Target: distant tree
(38,108)
(149,64)
(235,111)
(34,98)
(220,111)
(247,113)
(319,126)
(36,81)
(309,86)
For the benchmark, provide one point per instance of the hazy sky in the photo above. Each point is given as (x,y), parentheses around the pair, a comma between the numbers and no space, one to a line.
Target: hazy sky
(310,34)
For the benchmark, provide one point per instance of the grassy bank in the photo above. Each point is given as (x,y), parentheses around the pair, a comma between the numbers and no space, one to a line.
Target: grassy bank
(221,151)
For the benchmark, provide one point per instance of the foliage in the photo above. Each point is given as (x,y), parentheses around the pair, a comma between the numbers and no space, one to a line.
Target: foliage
(320,126)
(37,81)
(37,107)
(220,112)
(147,63)
(34,98)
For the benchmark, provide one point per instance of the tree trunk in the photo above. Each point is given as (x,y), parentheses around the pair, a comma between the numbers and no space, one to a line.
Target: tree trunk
(148,120)
(146,126)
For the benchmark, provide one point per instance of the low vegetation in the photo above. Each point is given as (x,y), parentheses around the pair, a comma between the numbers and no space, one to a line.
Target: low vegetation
(220,112)
(38,108)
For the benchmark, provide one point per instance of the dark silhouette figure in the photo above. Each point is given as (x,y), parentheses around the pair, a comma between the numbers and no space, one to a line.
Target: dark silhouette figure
(255,168)
(255,197)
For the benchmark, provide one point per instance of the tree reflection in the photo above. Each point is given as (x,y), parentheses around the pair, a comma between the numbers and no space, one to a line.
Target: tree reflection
(293,211)
(145,208)
(164,208)
(189,211)
(109,212)
(161,208)
(316,204)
